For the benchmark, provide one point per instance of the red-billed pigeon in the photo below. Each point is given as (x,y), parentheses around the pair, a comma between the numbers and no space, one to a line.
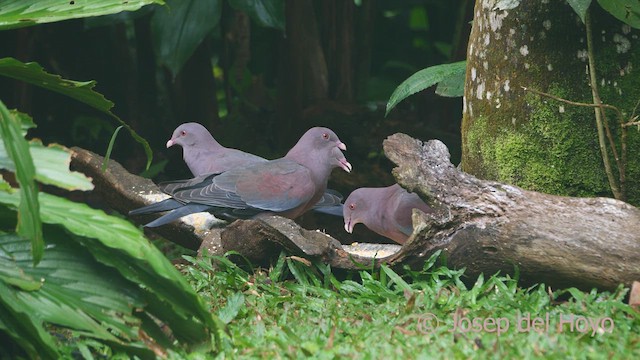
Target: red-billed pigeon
(288,186)
(204,155)
(386,211)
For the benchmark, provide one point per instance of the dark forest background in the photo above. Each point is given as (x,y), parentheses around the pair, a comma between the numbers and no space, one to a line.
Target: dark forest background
(255,87)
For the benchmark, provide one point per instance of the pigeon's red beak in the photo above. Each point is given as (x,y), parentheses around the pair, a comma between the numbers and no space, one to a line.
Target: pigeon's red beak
(339,157)
(345,165)
(342,146)
(170,143)
(348,226)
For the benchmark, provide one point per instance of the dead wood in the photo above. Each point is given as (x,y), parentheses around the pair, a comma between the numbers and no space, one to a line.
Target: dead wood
(123,191)
(487,226)
(483,226)
(258,240)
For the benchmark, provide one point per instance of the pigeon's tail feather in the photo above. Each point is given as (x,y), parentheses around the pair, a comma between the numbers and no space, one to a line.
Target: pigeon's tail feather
(335,193)
(164,205)
(171,187)
(178,213)
(330,203)
(329,198)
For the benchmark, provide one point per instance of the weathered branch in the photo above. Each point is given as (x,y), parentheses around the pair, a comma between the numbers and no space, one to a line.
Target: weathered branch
(123,191)
(259,240)
(484,226)
(487,226)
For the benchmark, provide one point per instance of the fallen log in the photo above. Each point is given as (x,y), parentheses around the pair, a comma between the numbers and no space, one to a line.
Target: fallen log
(258,240)
(487,226)
(484,226)
(123,191)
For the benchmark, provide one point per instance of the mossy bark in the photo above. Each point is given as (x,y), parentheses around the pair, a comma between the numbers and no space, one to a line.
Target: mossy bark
(521,138)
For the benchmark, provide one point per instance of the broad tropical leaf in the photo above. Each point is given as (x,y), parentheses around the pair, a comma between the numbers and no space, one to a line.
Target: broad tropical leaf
(29,225)
(424,79)
(122,246)
(21,13)
(34,74)
(624,10)
(51,165)
(26,121)
(580,7)
(180,27)
(76,291)
(25,329)
(453,86)
(13,275)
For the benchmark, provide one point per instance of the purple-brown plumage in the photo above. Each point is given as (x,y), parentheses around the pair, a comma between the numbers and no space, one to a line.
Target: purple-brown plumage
(386,211)
(204,155)
(288,186)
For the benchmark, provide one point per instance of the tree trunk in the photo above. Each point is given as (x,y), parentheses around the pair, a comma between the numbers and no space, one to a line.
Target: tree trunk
(302,69)
(536,142)
(339,46)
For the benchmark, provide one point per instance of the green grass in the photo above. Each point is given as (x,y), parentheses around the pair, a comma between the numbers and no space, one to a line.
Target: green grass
(298,309)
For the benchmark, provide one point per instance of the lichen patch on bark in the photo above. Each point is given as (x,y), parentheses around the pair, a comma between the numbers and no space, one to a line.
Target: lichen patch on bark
(538,143)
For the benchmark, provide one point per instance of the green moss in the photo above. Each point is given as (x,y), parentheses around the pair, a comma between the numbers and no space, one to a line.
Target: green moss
(548,153)
(539,143)
(474,141)
(570,143)
(520,163)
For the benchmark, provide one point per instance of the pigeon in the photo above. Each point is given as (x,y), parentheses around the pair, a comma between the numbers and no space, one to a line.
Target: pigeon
(204,155)
(288,186)
(386,211)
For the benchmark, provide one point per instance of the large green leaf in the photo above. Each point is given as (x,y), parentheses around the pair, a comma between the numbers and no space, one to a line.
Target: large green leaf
(424,79)
(25,329)
(180,27)
(17,148)
(34,74)
(452,86)
(13,275)
(21,13)
(77,292)
(268,13)
(580,7)
(51,165)
(624,10)
(26,121)
(122,246)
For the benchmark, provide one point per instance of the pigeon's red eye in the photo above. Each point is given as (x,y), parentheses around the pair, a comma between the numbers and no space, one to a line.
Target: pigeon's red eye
(183,133)
(352,206)
(325,136)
